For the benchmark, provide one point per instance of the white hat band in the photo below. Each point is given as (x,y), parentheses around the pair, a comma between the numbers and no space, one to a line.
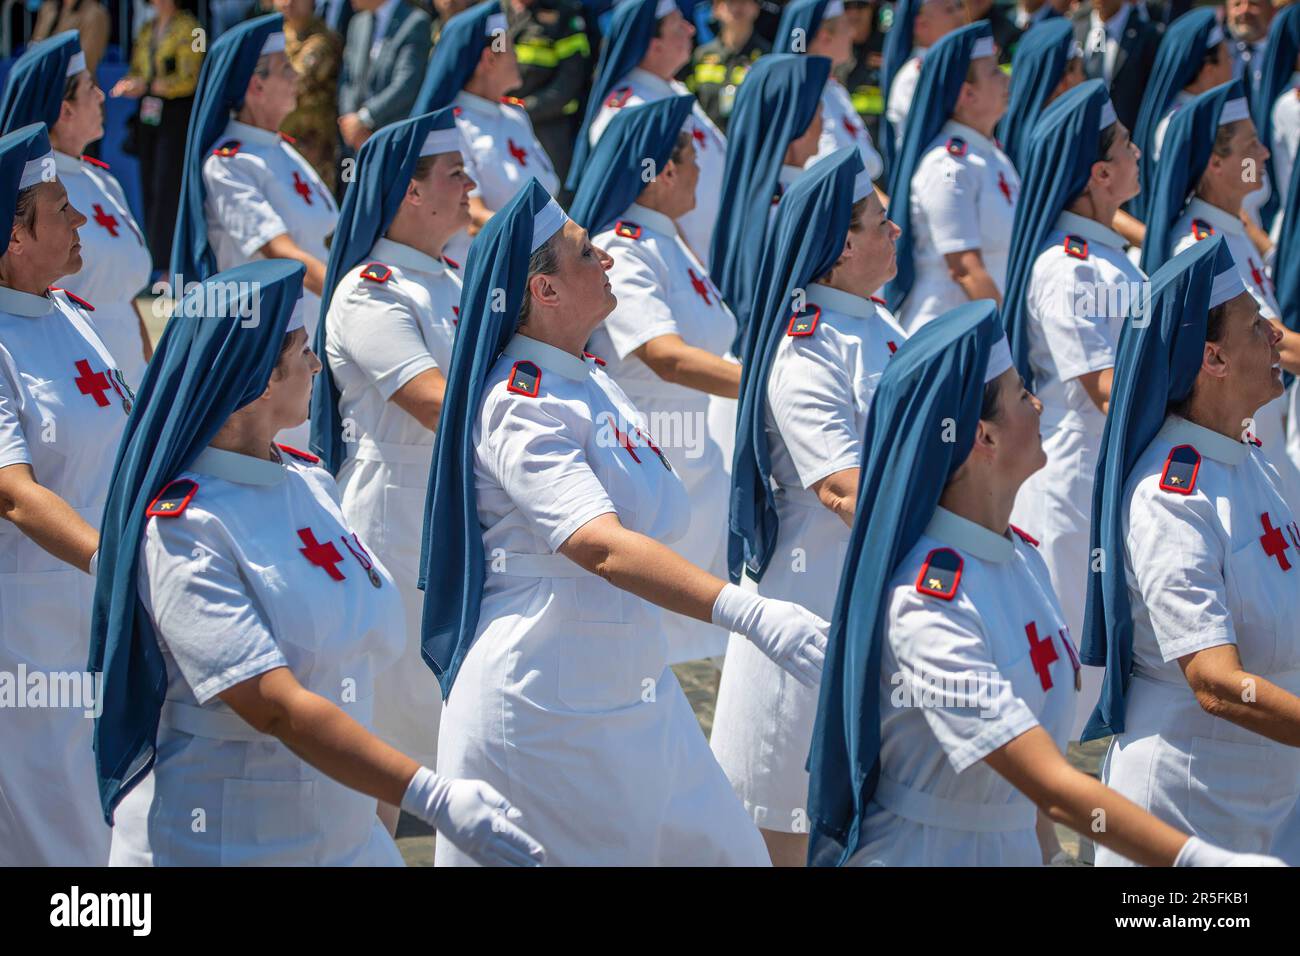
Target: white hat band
(441,141)
(495,24)
(547,223)
(1234,110)
(664,8)
(34,171)
(1107,115)
(76,64)
(833,8)
(274,44)
(862,187)
(1214,38)
(999,359)
(1227,285)
(983,47)
(295,318)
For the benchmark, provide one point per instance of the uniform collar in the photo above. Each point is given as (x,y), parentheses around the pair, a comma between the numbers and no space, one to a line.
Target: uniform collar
(966,535)
(971,136)
(1222,221)
(837,300)
(392,253)
(477,104)
(651,219)
(1090,229)
(232,466)
(547,356)
(24,303)
(251,134)
(788,175)
(647,79)
(66,165)
(1211,444)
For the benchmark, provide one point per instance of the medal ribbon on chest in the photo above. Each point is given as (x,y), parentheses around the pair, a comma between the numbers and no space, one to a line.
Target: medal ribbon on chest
(364,559)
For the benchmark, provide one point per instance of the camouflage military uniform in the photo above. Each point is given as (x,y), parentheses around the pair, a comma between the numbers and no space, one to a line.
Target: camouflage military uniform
(716,71)
(316,53)
(550,38)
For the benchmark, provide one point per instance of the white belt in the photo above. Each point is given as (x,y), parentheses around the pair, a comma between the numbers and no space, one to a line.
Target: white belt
(535,566)
(389,453)
(935,811)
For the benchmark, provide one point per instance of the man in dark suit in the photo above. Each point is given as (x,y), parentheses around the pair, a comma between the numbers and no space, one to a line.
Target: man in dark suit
(383,66)
(1119,46)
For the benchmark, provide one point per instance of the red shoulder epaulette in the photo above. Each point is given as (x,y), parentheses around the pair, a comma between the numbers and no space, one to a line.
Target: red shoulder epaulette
(940,574)
(619,97)
(299,454)
(74,297)
(1201,229)
(376,272)
(1074,246)
(227,149)
(512,101)
(628,230)
(1181,468)
(456,111)
(173,499)
(93,161)
(525,379)
(804,323)
(956,146)
(1025,536)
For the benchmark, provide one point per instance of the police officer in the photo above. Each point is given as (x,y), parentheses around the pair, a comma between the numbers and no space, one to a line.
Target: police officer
(953,191)
(545,474)
(386,340)
(63,405)
(1198,530)
(718,67)
(241,618)
(815,356)
(550,38)
(472,68)
(50,84)
(952,677)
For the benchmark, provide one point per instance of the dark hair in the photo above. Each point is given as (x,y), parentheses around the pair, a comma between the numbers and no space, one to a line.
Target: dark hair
(855,220)
(424,166)
(1214,321)
(544,261)
(25,209)
(70,87)
(990,408)
(1107,141)
(1223,137)
(679,147)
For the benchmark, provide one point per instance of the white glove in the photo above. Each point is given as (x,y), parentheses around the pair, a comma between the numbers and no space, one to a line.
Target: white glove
(791,635)
(474,817)
(1196,852)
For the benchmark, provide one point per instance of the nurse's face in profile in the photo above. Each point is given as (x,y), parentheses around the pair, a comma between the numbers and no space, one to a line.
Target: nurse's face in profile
(47,238)
(1245,357)
(1010,432)
(288,393)
(1116,174)
(574,296)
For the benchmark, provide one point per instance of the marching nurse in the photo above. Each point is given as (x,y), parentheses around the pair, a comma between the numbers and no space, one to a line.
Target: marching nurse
(667,342)
(473,67)
(1202,196)
(813,357)
(240,619)
(648,43)
(385,343)
(775,130)
(248,194)
(1069,292)
(63,406)
(547,570)
(953,191)
(950,680)
(819,28)
(1197,600)
(1048,62)
(50,84)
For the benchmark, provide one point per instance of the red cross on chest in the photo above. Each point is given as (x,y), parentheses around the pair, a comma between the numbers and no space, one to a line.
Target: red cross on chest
(1043,654)
(322,555)
(94,384)
(301,187)
(850,128)
(698,134)
(1256,274)
(1273,542)
(1004,186)
(518,152)
(104,219)
(700,288)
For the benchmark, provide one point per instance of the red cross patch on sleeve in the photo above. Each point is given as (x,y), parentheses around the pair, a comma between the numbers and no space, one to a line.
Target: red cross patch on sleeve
(628,230)
(376,272)
(804,323)
(940,574)
(173,499)
(1181,468)
(1076,247)
(525,379)
(227,149)
(1201,229)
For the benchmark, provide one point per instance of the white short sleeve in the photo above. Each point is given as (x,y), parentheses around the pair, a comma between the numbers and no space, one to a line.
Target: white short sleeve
(945,648)
(13,442)
(239,201)
(1173,550)
(376,327)
(642,312)
(193,588)
(811,399)
(949,195)
(1077,334)
(536,453)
